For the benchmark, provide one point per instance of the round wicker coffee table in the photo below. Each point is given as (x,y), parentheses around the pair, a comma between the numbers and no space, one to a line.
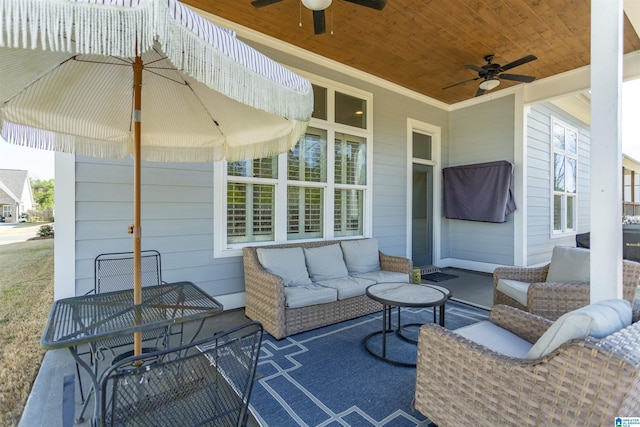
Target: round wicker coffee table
(402,295)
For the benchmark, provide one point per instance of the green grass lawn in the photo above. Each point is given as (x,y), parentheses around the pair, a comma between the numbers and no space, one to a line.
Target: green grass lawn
(26,295)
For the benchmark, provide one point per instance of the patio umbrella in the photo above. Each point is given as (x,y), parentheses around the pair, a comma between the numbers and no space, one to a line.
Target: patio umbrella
(147,78)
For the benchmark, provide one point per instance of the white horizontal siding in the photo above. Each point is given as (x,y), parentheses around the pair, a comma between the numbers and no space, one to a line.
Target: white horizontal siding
(481,133)
(540,242)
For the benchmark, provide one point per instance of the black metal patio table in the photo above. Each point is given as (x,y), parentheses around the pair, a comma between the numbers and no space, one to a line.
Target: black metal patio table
(402,295)
(98,318)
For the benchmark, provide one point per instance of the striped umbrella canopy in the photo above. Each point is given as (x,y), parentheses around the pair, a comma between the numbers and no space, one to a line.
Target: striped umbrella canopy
(150,79)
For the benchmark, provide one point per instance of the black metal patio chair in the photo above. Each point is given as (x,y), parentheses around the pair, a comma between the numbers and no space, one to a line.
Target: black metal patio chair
(114,272)
(206,383)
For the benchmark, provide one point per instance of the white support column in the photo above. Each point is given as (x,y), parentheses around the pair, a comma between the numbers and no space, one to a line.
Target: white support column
(606,149)
(64,245)
(520,143)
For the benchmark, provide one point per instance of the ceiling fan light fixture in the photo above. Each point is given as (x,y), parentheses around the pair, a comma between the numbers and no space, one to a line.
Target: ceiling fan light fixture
(316,4)
(489,84)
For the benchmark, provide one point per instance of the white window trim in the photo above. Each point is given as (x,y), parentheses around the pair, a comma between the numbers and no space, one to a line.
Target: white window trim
(222,249)
(554,234)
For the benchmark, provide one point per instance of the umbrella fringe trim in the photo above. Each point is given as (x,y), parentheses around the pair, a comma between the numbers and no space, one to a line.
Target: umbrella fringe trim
(209,53)
(98,29)
(31,137)
(40,139)
(221,61)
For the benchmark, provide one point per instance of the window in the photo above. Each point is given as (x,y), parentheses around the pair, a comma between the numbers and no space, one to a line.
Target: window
(307,165)
(564,154)
(318,190)
(251,200)
(350,170)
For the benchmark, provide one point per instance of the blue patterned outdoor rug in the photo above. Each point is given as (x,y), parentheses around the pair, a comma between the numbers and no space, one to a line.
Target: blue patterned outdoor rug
(326,377)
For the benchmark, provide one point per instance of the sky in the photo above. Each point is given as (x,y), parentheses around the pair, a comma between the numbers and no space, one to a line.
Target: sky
(40,163)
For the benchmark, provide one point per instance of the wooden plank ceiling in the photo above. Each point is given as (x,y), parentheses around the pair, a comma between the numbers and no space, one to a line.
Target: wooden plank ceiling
(424,45)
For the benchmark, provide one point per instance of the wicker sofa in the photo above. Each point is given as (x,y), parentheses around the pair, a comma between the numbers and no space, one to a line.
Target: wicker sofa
(550,292)
(585,382)
(266,301)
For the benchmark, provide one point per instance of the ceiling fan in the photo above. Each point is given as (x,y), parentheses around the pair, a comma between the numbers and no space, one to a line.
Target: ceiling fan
(318,7)
(491,73)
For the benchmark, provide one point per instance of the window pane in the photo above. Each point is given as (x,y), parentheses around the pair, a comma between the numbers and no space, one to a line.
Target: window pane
(348,213)
(250,213)
(350,159)
(558,172)
(259,168)
(304,213)
(558,136)
(572,141)
(571,201)
(421,146)
(557,213)
(319,102)
(627,178)
(351,111)
(308,159)
(570,174)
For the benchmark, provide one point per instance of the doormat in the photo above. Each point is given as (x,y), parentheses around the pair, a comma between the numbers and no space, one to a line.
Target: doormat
(438,277)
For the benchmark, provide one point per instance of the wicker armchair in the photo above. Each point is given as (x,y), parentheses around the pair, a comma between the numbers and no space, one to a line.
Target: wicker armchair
(551,300)
(584,382)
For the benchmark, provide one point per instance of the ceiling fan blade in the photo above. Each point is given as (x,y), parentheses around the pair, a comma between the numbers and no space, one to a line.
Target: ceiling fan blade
(518,62)
(517,77)
(319,24)
(462,82)
(262,3)
(475,68)
(373,4)
(480,91)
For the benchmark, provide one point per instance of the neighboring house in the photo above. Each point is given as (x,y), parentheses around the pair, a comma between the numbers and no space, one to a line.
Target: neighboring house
(631,186)
(370,165)
(16,197)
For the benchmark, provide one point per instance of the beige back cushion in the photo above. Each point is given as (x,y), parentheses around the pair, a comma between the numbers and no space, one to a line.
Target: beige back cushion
(569,265)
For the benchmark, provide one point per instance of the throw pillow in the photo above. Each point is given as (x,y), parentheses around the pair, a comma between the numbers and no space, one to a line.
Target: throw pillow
(325,263)
(608,316)
(569,264)
(597,320)
(361,256)
(287,263)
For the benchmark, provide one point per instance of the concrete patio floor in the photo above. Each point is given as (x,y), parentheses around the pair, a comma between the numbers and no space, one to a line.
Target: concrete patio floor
(44,406)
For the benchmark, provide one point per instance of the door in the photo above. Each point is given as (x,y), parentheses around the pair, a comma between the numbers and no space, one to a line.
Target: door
(422,224)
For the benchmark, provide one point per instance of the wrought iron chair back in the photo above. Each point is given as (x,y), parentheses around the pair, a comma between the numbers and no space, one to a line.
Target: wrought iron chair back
(208,382)
(114,271)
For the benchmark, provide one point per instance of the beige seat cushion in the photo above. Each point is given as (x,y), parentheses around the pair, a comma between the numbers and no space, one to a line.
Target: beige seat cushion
(569,265)
(361,256)
(305,295)
(514,289)
(288,263)
(495,338)
(385,276)
(325,263)
(348,287)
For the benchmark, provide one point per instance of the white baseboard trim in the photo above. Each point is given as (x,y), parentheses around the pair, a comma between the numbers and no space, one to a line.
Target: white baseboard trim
(468,265)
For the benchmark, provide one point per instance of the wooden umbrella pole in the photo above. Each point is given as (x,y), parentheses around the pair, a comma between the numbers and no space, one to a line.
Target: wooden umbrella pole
(137,230)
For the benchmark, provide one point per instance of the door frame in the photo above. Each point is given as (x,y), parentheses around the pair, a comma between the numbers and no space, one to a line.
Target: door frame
(435,132)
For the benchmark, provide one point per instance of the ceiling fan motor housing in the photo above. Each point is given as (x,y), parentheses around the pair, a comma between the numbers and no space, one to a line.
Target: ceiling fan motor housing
(316,4)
